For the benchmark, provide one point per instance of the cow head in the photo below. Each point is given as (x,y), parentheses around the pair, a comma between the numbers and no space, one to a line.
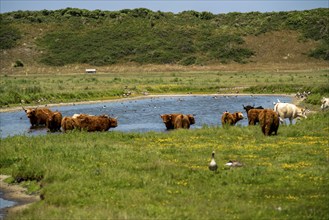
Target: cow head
(30,112)
(301,112)
(248,107)
(166,118)
(239,115)
(191,119)
(113,122)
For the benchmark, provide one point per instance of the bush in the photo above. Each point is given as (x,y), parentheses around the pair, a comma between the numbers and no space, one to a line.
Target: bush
(18,63)
(8,35)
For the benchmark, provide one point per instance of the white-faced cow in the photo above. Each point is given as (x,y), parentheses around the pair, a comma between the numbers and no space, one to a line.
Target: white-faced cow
(290,111)
(324,103)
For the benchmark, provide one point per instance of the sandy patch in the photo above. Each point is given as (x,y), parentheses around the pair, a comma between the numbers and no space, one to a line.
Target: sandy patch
(17,194)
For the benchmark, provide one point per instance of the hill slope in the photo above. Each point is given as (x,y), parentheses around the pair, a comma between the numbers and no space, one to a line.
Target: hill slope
(66,40)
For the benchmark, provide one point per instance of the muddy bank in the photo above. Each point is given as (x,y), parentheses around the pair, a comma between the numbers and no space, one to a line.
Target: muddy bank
(16,194)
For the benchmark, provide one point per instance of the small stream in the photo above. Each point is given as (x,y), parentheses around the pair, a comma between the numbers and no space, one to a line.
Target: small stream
(4,204)
(143,115)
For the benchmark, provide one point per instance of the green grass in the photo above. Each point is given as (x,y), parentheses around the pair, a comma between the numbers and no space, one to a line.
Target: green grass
(52,88)
(115,175)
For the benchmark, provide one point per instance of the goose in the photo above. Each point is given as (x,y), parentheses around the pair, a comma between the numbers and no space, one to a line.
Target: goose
(213,165)
(234,163)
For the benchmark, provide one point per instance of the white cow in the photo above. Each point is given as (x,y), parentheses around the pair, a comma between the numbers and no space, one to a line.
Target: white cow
(324,103)
(287,110)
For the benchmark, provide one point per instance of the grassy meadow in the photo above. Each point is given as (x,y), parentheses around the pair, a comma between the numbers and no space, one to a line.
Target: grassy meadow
(115,175)
(55,88)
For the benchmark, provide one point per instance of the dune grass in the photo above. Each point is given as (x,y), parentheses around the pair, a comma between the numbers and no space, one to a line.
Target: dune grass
(52,88)
(115,175)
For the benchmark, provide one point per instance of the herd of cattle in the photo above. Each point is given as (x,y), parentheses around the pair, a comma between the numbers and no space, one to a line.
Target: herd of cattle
(269,119)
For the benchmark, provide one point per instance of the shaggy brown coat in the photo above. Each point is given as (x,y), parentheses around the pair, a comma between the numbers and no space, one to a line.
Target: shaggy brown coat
(54,121)
(69,123)
(37,116)
(96,123)
(231,119)
(269,121)
(253,115)
(174,121)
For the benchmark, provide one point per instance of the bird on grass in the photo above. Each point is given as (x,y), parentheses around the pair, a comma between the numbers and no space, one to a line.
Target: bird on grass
(213,165)
(234,163)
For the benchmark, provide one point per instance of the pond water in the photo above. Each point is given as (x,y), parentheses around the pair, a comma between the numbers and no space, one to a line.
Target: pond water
(4,204)
(142,115)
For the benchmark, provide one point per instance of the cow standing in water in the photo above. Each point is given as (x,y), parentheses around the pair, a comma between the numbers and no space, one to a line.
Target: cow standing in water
(291,111)
(175,121)
(54,121)
(37,116)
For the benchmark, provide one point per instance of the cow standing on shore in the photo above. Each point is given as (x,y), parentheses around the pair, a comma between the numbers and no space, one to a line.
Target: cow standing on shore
(288,110)
(269,121)
(37,116)
(231,119)
(253,113)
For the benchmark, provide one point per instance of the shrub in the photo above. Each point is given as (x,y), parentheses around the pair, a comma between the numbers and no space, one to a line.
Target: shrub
(18,63)
(8,35)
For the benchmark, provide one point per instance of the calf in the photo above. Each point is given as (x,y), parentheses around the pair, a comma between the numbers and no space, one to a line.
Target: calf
(54,121)
(269,121)
(37,116)
(231,119)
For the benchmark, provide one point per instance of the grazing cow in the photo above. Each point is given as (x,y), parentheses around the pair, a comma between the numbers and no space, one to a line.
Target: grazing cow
(95,123)
(54,121)
(287,110)
(269,121)
(231,119)
(37,116)
(324,103)
(174,121)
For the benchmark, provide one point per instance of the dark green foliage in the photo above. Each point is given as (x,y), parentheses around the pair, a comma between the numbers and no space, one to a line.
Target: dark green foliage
(18,63)
(8,35)
(322,51)
(143,36)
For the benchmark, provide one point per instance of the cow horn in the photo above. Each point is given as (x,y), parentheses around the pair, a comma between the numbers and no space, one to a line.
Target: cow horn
(23,108)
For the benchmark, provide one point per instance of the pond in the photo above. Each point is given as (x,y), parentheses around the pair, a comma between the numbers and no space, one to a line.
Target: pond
(142,115)
(4,204)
